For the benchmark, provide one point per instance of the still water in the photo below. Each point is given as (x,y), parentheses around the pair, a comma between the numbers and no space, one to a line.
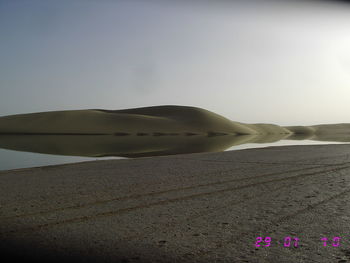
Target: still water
(33,151)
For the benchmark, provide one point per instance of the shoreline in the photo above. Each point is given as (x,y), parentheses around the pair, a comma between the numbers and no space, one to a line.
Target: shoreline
(244,146)
(197,207)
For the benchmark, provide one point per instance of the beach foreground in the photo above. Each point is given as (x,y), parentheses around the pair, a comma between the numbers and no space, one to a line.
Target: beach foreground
(206,207)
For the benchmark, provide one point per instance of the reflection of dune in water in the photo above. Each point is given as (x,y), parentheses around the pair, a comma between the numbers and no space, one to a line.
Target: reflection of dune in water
(149,131)
(124,146)
(324,132)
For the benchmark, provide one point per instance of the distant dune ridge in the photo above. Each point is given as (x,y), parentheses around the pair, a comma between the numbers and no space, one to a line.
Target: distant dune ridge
(161,120)
(149,130)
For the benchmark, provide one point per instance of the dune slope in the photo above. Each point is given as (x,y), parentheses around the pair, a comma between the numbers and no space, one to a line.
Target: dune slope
(160,120)
(163,119)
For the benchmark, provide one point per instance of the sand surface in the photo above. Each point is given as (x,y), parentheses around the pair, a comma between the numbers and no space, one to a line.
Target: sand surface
(158,119)
(207,207)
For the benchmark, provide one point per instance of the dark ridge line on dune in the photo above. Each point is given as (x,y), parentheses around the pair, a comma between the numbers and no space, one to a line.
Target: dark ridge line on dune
(137,196)
(190,133)
(171,134)
(209,134)
(212,134)
(142,134)
(121,134)
(50,133)
(159,134)
(162,202)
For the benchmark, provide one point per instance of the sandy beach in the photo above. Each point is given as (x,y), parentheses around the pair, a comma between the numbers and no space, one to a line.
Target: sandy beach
(175,131)
(205,207)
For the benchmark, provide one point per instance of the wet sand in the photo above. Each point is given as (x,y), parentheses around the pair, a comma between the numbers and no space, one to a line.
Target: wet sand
(205,207)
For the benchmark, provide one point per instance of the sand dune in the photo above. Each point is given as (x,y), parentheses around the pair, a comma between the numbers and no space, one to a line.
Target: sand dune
(332,132)
(148,131)
(161,119)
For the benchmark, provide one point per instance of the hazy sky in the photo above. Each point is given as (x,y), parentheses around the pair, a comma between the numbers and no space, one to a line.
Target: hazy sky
(283,62)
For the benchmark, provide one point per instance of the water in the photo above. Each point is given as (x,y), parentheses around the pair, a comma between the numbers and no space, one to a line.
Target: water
(13,159)
(280,143)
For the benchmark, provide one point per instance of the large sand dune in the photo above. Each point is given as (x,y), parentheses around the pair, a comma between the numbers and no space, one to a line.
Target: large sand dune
(160,119)
(159,130)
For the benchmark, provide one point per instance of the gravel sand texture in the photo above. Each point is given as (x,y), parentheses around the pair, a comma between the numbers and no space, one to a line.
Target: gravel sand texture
(206,207)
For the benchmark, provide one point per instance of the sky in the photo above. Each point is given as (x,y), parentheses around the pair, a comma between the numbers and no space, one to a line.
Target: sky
(282,62)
